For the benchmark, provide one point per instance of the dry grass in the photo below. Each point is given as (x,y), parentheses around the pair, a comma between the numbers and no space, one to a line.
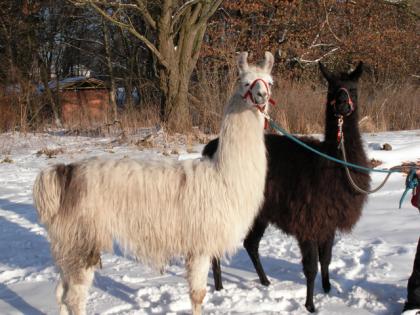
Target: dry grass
(50,153)
(9,114)
(131,119)
(213,89)
(394,107)
(374,163)
(6,160)
(406,167)
(300,108)
(145,143)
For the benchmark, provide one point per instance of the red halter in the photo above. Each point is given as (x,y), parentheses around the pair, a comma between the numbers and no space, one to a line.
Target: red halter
(260,107)
(340,132)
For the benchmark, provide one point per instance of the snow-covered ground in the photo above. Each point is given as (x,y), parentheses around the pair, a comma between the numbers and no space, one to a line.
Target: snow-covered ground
(369,269)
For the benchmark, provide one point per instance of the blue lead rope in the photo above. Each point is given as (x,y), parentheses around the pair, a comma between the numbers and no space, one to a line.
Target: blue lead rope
(411,182)
(328,157)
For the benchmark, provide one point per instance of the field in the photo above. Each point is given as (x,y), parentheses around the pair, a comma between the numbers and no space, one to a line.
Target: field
(369,269)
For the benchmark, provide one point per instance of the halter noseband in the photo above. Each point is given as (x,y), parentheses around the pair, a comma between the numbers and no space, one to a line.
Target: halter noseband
(249,95)
(260,107)
(349,101)
(340,133)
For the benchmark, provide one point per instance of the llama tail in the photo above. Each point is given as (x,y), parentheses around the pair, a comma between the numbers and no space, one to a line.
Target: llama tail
(47,191)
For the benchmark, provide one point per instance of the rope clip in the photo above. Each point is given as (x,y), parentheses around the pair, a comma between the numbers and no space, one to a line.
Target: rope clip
(411,182)
(340,130)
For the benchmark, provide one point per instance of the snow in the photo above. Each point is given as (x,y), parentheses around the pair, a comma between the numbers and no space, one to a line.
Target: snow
(369,269)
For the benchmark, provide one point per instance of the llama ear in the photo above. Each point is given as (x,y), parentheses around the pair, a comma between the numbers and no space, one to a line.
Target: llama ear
(355,75)
(268,62)
(242,62)
(327,75)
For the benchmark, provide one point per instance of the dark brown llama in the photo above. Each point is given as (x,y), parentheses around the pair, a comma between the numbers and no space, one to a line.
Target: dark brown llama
(306,195)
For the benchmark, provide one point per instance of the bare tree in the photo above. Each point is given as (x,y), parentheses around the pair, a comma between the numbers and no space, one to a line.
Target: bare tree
(108,57)
(173,31)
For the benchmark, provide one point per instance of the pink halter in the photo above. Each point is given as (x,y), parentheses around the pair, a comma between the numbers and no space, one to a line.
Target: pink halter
(248,93)
(260,107)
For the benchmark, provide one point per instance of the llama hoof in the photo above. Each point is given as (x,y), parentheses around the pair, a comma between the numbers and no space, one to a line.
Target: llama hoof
(218,287)
(310,307)
(326,287)
(265,282)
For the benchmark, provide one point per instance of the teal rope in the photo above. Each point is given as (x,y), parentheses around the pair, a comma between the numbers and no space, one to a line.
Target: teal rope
(328,157)
(411,182)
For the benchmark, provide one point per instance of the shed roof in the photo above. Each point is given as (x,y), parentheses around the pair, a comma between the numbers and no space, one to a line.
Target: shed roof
(78,83)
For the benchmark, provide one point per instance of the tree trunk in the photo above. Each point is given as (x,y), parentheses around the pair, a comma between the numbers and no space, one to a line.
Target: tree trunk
(179,33)
(54,103)
(174,107)
(175,78)
(113,88)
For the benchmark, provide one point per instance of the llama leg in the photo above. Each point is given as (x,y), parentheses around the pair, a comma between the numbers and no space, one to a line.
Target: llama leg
(325,253)
(60,293)
(77,293)
(309,251)
(251,244)
(197,270)
(217,274)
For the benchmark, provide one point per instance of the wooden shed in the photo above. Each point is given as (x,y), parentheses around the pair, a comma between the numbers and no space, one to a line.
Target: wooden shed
(84,101)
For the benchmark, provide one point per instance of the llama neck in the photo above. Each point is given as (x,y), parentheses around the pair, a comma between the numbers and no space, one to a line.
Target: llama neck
(352,137)
(241,141)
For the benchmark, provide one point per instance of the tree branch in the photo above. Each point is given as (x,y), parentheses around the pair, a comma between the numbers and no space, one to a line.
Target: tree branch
(140,7)
(212,9)
(146,14)
(181,11)
(131,30)
(300,60)
(283,37)
(327,12)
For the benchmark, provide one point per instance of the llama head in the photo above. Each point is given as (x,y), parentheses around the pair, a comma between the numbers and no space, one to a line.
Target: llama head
(342,90)
(255,81)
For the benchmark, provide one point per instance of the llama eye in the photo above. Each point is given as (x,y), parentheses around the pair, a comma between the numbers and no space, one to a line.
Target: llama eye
(246,84)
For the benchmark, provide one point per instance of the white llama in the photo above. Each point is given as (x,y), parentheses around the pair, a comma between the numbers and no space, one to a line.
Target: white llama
(195,209)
